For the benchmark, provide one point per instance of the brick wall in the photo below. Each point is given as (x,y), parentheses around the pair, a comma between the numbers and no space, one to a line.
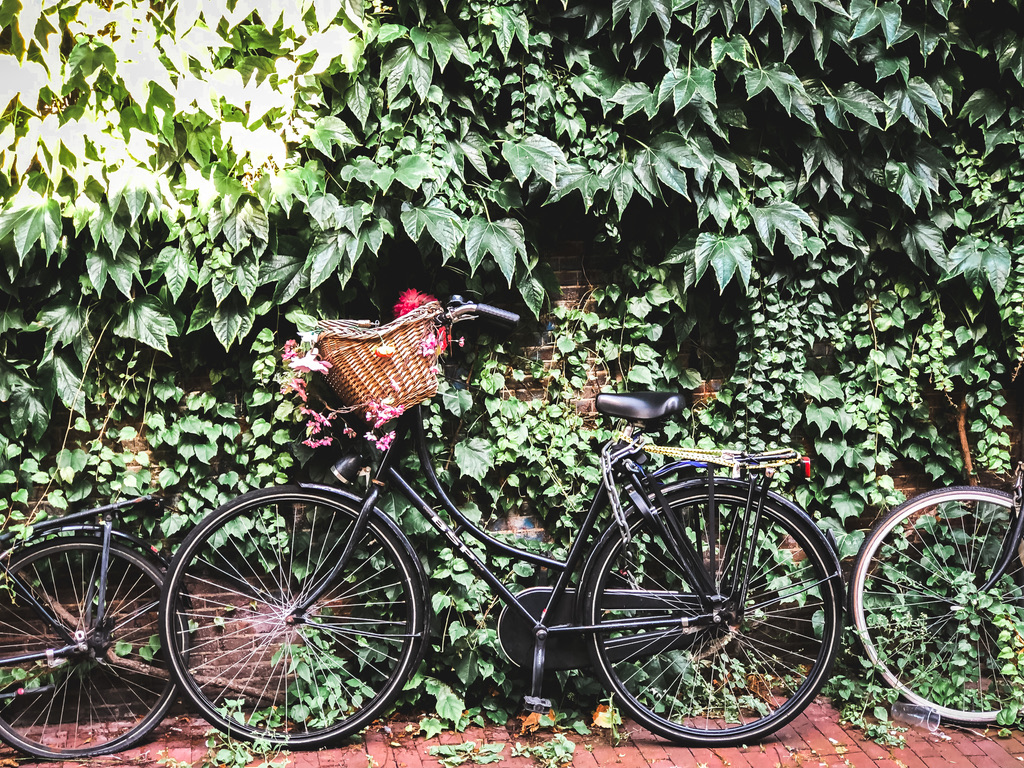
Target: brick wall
(580,268)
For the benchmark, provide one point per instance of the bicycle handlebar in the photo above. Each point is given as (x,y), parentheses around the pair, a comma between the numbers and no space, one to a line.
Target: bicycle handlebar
(459,310)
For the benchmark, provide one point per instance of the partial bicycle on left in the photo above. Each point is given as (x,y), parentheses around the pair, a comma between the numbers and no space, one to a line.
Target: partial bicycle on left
(81,668)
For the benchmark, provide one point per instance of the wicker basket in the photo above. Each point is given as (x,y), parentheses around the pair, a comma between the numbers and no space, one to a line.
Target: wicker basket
(394,363)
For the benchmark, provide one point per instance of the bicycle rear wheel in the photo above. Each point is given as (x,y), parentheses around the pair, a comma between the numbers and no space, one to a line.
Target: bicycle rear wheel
(99,700)
(257,669)
(919,610)
(728,683)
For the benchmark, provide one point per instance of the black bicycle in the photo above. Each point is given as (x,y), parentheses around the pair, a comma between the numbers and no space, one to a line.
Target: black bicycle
(81,669)
(710,606)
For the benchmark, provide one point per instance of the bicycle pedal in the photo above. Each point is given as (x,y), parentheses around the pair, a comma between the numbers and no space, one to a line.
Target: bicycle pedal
(536,704)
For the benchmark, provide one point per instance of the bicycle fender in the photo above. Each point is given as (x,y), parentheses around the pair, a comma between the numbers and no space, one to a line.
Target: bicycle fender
(133,542)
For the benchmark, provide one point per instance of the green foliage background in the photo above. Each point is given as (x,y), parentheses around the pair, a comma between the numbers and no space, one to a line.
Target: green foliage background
(817,203)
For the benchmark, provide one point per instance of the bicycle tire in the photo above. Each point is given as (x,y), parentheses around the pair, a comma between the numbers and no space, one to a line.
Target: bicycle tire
(725,684)
(917,608)
(254,673)
(94,702)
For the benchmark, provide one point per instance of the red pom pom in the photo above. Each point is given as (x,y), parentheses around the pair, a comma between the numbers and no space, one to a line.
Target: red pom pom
(410,300)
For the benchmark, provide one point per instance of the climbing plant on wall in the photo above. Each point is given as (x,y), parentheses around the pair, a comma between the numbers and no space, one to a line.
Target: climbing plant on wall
(815,204)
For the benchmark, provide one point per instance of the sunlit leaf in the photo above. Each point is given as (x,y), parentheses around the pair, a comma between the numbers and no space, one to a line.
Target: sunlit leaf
(32,219)
(330,132)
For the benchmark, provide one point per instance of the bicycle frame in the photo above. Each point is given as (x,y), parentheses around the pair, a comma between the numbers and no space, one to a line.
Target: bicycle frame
(73,523)
(707,602)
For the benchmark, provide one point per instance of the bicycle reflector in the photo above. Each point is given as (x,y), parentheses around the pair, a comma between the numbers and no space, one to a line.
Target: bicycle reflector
(806,461)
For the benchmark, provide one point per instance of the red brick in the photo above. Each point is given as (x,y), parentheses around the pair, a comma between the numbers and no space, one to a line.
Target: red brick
(998,753)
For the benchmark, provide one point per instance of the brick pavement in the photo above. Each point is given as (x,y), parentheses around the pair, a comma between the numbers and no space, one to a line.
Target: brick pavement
(813,740)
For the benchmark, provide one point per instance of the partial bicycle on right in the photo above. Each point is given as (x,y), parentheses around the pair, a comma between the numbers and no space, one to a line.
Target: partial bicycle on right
(937,599)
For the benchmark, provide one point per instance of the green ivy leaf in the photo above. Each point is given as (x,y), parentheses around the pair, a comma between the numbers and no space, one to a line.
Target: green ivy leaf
(365,170)
(411,171)
(507,24)
(442,224)
(121,268)
(921,239)
(785,217)
(533,293)
(727,255)
(474,458)
(640,11)
(787,87)
(449,704)
(68,383)
(174,266)
(501,239)
(634,97)
(851,99)
(913,101)
(145,319)
(403,65)
(736,48)
(29,411)
(444,41)
(330,132)
(981,262)
(621,182)
(134,185)
(288,273)
(232,322)
(682,84)
(578,178)
(331,254)
(535,154)
(245,222)
(983,106)
(66,322)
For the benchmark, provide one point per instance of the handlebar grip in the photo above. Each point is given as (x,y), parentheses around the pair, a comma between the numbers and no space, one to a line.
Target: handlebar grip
(500,316)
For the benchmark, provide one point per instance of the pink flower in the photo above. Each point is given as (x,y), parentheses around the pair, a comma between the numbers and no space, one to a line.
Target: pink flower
(290,351)
(380,413)
(383,442)
(318,442)
(309,363)
(296,385)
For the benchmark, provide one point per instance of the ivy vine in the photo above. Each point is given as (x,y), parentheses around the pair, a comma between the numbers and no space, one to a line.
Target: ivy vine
(813,208)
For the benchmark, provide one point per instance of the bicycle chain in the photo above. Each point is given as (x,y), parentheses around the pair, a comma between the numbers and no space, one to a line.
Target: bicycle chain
(608,462)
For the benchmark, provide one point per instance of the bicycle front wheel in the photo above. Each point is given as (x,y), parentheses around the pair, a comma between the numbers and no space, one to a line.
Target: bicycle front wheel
(709,684)
(258,667)
(105,696)
(919,609)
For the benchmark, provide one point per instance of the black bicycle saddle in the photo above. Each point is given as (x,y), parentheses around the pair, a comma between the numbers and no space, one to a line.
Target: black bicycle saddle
(641,406)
